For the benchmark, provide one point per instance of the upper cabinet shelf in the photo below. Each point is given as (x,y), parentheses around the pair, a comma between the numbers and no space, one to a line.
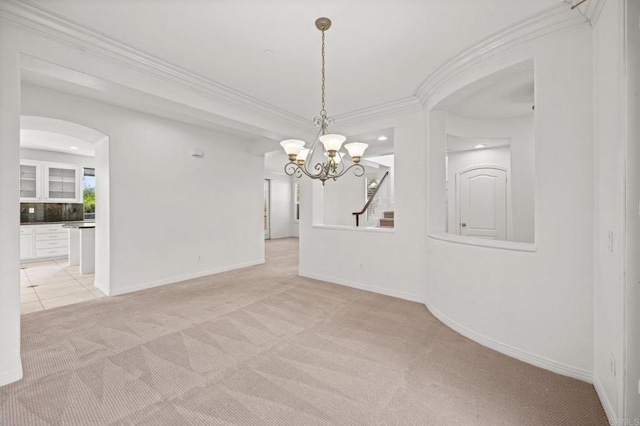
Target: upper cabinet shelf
(50,182)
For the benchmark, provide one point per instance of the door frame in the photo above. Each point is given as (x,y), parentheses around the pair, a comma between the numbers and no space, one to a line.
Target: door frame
(267,208)
(507,195)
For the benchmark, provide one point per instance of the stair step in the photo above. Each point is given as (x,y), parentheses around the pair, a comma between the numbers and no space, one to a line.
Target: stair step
(388,215)
(386,222)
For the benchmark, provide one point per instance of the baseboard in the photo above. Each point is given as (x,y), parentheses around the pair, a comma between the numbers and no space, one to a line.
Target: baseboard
(11,376)
(528,357)
(103,288)
(606,404)
(361,286)
(176,279)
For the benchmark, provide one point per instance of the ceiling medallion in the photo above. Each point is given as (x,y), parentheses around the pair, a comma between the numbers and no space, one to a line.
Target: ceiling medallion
(325,157)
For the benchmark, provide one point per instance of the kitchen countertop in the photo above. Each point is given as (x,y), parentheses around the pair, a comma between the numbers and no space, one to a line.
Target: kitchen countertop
(53,223)
(79,225)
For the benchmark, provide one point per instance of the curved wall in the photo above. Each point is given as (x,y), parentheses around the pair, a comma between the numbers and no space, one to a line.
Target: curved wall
(538,305)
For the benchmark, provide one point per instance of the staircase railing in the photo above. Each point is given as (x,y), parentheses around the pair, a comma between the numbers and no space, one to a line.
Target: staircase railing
(366,206)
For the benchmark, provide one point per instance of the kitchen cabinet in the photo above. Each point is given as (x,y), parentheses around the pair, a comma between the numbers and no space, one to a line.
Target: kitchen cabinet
(30,181)
(26,243)
(50,182)
(43,241)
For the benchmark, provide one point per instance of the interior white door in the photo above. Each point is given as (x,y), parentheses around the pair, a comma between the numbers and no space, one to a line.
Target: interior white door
(483,203)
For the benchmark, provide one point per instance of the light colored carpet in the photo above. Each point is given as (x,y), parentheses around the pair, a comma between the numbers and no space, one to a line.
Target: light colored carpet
(264,346)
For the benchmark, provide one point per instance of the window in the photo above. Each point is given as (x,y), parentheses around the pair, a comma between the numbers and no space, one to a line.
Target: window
(89,193)
(371,183)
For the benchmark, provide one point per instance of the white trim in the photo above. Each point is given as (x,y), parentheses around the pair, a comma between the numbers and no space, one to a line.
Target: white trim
(385,110)
(591,10)
(504,245)
(361,286)
(172,280)
(606,404)
(11,375)
(103,288)
(555,19)
(41,21)
(374,229)
(528,357)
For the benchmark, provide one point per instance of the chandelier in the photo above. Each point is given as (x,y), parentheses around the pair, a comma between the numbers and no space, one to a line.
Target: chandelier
(323,160)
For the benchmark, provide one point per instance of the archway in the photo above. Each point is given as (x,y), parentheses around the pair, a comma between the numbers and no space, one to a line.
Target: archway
(45,141)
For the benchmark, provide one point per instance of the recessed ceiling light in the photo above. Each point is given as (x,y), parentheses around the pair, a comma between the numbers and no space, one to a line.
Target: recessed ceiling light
(480,146)
(268,52)
(73,147)
(382,138)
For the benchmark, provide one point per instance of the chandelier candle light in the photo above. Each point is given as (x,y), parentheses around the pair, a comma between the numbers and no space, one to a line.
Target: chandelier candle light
(329,165)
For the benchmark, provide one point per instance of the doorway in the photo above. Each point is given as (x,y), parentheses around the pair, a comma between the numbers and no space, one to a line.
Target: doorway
(63,248)
(267,209)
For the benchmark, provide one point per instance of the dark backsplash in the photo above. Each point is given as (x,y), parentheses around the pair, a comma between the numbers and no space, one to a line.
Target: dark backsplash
(51,212)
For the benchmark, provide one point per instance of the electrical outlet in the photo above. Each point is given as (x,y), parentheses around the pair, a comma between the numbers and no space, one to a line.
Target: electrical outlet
(199,258)
(610,241)
(362,266)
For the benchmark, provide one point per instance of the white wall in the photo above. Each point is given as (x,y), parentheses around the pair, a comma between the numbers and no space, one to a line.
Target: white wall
(103,216)
(537,305)
(632,214)
(520,131)
(462,160)
(341,198)
(57,157)
(166,207)
(10,365)
(609,206)
(380,260)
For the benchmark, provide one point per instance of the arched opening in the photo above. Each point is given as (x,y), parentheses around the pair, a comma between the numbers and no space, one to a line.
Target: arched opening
(64,213)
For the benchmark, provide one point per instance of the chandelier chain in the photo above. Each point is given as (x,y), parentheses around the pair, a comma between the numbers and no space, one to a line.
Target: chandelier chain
(323,112)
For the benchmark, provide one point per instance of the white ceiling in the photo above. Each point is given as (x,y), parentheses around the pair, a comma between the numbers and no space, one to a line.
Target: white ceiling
(457,143)
(378,51)
(508,93)
(49,141)
(50,134)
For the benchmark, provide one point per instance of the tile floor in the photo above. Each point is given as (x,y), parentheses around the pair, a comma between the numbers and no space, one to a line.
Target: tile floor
(52,283)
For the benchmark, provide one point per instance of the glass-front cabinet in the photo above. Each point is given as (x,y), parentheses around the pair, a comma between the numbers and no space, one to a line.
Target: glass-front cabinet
(50,182)
(62,183)
(30,181)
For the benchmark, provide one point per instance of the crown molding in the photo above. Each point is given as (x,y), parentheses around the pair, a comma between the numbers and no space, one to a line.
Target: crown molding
(387,109)
(591,10)
(555,19)
(40,21)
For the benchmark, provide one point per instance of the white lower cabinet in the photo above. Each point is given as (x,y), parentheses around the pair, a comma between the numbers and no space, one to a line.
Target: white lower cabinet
(43,241)
(26,245)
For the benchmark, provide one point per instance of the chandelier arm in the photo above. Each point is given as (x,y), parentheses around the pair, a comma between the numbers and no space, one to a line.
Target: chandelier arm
(358,171)
(293,169)
(312,150)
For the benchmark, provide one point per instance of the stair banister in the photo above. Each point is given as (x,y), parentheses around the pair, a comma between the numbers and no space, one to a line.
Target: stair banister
(366,206)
